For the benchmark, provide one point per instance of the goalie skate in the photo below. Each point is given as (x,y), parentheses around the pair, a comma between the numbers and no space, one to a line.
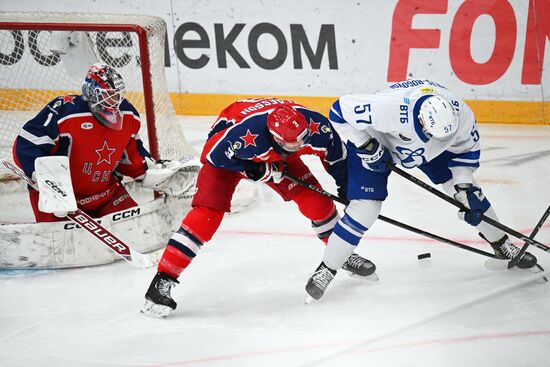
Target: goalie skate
(359,267)
(158,301)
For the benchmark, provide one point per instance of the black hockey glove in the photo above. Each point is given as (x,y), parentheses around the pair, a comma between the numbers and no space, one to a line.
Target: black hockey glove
(265,171)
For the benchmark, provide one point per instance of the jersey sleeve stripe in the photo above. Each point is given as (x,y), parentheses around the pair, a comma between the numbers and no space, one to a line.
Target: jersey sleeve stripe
(459,163)
(335,114)
(469,159)
(36,140)
(470,155)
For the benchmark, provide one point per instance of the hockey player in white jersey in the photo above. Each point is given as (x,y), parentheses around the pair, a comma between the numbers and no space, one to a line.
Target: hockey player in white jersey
(414,123)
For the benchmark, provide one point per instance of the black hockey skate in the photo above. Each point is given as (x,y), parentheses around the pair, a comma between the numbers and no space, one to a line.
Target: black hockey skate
(505,249)
(319,281)
(158,301)
(359,267)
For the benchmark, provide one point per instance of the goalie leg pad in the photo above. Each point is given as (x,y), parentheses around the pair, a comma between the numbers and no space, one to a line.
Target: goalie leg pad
(121,200)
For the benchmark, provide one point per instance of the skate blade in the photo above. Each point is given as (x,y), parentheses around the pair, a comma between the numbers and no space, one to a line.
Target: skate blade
(373,277)
(151,309)
(502,265)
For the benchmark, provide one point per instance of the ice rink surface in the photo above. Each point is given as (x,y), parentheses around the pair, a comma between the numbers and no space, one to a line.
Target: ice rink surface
(241,302)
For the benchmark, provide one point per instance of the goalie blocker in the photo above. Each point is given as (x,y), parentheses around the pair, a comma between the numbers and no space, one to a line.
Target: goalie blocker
(53,178)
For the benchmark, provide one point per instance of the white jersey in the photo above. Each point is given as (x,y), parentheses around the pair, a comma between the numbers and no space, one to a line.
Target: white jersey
(391,117)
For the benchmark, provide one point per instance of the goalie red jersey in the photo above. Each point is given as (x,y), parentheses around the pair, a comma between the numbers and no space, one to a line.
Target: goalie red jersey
(98,154)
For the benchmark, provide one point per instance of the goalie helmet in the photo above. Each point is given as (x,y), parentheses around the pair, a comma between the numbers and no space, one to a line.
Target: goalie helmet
(288,127)
(438,118)
(103,89)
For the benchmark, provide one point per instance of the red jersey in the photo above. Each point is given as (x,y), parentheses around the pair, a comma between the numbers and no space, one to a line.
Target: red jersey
(97,154)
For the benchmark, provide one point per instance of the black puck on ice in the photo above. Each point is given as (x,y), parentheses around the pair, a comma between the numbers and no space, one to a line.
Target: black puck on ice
(424,256)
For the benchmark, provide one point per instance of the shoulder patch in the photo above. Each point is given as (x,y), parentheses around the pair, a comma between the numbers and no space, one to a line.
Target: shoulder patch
(57,103)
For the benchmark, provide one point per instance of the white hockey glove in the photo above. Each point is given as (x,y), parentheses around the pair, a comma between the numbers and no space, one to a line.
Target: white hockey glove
(53,178)
(174,178)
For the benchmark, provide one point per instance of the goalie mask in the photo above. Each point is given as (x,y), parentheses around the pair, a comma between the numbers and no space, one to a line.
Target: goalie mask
(438,118)
(289,128)
(103,89)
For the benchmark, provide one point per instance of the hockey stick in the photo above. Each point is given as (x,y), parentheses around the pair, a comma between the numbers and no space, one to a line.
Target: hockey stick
(452,201)
(89,224)
(536,230)
(394,222)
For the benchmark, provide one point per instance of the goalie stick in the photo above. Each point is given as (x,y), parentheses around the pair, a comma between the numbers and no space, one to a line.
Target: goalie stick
(89,224)
(452,201)
(394,222)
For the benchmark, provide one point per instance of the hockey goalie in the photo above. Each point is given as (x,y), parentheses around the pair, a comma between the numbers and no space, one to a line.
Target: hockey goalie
(97,133)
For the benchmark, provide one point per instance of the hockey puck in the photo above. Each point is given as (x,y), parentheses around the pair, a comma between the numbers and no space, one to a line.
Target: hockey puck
(424,256)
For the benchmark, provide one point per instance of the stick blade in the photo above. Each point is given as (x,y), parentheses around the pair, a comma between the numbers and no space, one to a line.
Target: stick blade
(139,260)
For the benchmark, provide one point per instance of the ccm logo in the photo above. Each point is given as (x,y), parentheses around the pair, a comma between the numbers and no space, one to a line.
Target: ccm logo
(55,188)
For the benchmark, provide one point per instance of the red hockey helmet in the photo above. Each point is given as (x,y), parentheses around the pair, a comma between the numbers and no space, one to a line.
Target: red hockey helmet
(103,89)
(289,128)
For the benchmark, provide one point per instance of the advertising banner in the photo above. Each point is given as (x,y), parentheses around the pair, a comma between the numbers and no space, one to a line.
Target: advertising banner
(490,52)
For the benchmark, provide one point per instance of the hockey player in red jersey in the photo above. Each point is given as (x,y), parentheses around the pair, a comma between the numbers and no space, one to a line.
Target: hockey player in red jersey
(98,131)
(256,139)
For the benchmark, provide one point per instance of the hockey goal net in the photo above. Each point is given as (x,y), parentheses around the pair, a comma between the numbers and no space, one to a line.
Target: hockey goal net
(45,55)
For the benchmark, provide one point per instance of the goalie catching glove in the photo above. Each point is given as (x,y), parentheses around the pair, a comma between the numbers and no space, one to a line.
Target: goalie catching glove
(172,177)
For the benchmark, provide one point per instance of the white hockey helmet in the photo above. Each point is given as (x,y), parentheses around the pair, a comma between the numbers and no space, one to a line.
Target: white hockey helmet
(103,89)
(438,118)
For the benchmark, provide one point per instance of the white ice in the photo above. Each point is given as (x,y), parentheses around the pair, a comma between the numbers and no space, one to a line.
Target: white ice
(240,303)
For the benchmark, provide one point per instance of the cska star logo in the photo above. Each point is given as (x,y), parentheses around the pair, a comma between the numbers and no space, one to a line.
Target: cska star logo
(249,138)
(68,99)
(313,127)
(104,153)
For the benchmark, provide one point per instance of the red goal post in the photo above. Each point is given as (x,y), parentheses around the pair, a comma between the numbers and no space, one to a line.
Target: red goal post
(44,55)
